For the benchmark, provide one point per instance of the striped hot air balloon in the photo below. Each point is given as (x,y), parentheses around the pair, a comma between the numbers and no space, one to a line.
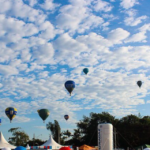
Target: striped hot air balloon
(11,112)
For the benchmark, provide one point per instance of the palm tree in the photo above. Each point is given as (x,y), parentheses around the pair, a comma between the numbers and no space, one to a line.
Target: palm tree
(54,129)
(67,133)
(77,134)
(50,126)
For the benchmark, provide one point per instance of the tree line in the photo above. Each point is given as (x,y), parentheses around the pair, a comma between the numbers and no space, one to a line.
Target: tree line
(131,131)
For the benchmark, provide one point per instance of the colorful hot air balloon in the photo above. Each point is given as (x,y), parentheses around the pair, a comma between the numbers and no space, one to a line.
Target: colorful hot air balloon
(139,83)
(11,112)
(70,85)
(86,70)
(66,117)
(20,148)
(43,113)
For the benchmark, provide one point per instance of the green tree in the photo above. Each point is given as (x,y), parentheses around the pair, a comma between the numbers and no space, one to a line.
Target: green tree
(54,129)
(67,133)
(36,142)
(133,131)
(87,128)
(20,138)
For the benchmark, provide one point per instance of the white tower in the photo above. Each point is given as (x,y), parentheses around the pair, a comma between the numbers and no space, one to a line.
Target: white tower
(105,136)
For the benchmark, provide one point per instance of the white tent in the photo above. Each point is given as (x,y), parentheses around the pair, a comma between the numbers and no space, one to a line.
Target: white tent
(6,148)
(27,147)
(4,143)
(52,143)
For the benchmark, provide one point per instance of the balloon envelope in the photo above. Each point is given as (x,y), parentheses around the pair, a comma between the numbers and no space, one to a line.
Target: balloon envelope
(65,148)
(70,85)
(20,148)
(139,83)
(43,113)
(11,112)
(66,117)
(86,70)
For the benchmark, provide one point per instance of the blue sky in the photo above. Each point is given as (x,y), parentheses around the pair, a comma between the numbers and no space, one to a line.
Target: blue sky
(45,43)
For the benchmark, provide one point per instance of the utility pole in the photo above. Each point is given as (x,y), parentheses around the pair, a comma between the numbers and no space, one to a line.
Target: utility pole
(33,138)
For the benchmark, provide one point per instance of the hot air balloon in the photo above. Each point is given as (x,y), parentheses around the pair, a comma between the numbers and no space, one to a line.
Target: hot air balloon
(139,83)
(0,121)
(43,113)
(86,70)
(65,148)
(70,85)
(66,117)
(11,112)
(20,148)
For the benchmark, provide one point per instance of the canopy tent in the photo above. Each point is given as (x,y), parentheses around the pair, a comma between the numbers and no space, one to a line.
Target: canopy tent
(86,147)
(4,143)
(6,148)
(52,143)
(27,147)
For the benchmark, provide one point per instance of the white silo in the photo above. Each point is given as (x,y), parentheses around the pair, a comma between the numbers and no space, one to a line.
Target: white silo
(105,136)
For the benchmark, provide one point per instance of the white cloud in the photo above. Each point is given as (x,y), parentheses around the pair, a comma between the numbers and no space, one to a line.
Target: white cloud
(68,49)
(20,119)
(49,5)
(48,31)
(138,37)
(43,74)
(19,9)
(131,21)
(71,16)
(91,23)
(63,70)
(77,18)
(40,127)
(128,3)
(118,35)
(15,28)
(95,42)
(8,70)
(7,54)
(25,55)
(5,6)
(43,54)
(145,27)
(124,112)
(1,85)
(38,55)
(100,5)
(34,66)
(81,2)
(105,26)
(127,58)
(18,64)
(32,2)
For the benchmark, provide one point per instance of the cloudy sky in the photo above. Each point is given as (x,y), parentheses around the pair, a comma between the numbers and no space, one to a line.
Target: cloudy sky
(44,43)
